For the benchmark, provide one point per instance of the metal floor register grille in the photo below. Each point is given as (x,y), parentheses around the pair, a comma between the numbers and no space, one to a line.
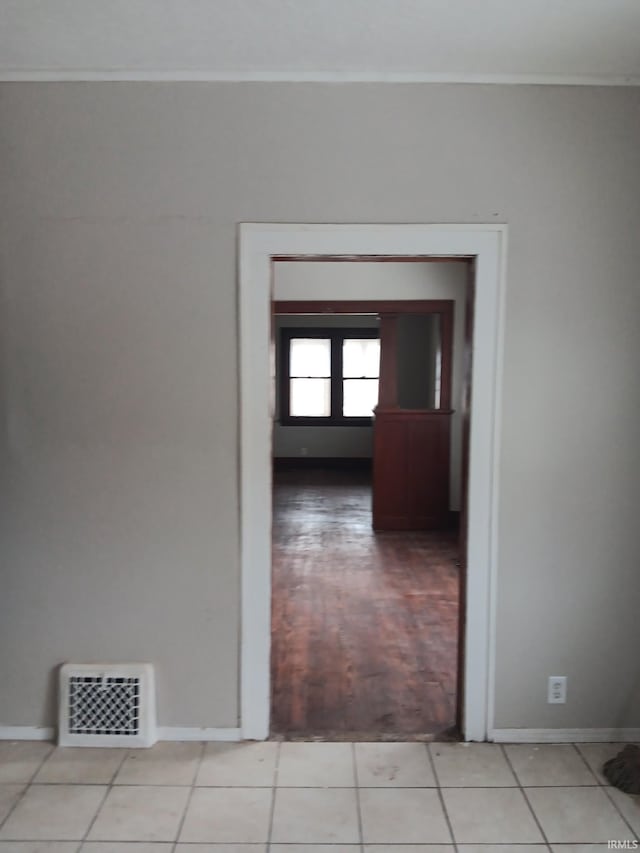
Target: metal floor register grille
(104,706)
(107,705)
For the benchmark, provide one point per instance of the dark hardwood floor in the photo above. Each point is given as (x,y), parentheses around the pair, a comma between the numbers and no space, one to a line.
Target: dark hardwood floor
(364,624)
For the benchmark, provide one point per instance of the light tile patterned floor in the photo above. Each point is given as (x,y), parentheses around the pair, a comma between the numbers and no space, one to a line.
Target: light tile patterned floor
(312,798)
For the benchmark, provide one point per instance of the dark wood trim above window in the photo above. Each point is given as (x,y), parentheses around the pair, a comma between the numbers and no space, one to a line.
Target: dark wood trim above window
(362,306)
(378,259)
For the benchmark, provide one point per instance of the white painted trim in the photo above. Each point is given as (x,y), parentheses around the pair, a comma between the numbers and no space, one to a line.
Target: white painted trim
(230,735)
(564,735)
(27,733)
(173,733)
(186,733)
(260,242)
(497,437)
(31,75)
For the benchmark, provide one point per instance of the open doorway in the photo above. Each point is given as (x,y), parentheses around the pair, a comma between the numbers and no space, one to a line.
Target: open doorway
(365,606)
(260,244)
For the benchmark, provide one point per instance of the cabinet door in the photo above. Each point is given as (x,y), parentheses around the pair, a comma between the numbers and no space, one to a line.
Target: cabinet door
(411,470)
(390,495)
(428,472)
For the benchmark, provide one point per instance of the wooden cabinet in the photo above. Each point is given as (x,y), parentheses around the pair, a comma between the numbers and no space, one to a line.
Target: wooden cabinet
(411,447)
(411,469)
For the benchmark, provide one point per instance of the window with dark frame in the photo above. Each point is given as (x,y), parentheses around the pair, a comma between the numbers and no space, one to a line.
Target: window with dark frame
(329,376)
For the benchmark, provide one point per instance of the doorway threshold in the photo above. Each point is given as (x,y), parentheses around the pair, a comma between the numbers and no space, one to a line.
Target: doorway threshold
(444,736)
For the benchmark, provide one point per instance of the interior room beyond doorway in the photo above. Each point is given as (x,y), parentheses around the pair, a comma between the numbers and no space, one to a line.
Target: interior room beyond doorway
(365,624)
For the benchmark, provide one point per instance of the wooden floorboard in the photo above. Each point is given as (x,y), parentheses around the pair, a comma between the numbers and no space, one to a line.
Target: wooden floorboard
(364,624)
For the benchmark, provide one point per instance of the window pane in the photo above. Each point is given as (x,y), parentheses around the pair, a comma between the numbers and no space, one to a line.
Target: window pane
(361,357)
(310,357)
(359,397)
(310,398)
(437,382)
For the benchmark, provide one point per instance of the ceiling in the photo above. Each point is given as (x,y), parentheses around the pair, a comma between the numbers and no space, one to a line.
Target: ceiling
(545,41)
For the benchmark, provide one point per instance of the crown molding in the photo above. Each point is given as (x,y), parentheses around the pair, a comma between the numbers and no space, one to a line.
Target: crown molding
(35,75)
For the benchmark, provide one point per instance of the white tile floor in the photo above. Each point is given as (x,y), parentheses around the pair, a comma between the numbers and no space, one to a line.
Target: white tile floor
(312,798)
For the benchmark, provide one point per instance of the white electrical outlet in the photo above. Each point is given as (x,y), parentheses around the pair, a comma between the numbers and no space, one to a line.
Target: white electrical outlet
(557,689)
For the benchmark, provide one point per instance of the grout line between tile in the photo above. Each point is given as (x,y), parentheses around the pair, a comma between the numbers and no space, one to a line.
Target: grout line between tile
(357,792)
(190,795)
(587,765)
(526,798)
(274,789)
(607,790)
(108,788)
(46,758)
(385,787)
(441,796)
(289,787)
(27,785)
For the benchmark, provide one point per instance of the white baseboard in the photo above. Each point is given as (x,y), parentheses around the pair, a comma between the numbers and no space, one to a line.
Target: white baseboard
(231,735)
(27,733)
(163,733)
(185,733)
(564,735)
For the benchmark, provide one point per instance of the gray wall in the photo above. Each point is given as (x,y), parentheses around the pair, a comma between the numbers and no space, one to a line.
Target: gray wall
(119,428)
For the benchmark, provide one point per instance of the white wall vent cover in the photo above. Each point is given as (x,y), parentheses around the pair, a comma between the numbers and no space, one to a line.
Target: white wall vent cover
(107,705)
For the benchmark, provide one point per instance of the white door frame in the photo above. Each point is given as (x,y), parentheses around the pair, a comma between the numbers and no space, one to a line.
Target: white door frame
(259,243)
